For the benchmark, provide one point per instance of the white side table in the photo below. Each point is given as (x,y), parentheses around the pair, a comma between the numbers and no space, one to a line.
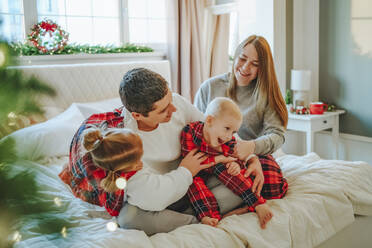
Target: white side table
(314,123)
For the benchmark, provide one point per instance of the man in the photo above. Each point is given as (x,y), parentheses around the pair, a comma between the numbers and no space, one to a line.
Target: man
(158,116)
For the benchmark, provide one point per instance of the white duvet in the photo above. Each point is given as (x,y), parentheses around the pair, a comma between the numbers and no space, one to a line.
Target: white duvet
(323,197)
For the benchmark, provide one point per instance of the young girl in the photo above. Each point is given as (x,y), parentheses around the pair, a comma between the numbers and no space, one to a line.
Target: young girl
(92,173)
(215,138)
(117,152)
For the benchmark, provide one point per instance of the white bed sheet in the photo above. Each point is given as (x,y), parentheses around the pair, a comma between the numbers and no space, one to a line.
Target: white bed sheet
(322,199)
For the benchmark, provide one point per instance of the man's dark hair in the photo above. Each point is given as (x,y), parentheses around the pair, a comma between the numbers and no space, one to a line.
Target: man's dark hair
(140,89)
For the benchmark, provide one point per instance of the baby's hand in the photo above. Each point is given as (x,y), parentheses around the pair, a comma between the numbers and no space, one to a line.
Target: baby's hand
(233,168)
(222,159)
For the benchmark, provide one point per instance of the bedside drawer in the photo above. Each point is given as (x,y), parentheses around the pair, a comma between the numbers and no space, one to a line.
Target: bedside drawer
(321,124)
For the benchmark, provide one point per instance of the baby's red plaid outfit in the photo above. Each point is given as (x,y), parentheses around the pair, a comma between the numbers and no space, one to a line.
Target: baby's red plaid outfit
(202,199)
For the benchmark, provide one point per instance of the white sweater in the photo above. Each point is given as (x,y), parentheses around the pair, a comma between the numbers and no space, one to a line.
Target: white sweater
(161,182)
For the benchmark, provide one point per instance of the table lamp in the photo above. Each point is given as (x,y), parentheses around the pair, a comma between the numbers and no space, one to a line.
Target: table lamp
(300,84)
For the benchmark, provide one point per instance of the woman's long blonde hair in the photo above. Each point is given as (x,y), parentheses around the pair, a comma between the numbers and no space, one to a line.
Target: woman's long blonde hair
(114,151)
(267,89)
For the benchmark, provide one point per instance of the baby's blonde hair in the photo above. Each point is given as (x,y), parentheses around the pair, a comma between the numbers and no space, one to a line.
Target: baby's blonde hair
(113,150)
(223,106)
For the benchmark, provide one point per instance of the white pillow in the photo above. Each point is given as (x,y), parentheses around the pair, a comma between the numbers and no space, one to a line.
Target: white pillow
(50,138)
(53,137)
(89,108)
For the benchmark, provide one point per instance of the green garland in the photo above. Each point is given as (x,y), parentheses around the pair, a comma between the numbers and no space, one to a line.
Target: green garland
(24,49)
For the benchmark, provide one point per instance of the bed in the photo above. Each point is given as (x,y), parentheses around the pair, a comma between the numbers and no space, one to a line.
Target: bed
(323,199)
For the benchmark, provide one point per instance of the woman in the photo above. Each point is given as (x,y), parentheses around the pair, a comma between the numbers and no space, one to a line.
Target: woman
(254,87)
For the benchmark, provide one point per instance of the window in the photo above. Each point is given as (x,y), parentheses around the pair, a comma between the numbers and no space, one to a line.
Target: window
(147,21)
(91,22)
(11,20)
(87,21)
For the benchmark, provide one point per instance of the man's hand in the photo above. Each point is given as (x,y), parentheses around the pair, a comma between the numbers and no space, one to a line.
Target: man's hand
(192,161)
(233,168)
(255,169)
(244,148)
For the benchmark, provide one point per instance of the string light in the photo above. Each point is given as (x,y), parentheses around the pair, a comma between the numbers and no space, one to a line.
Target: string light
(57,201)
(12,115)
(121,183)
(64,232)
(2,57)
(12,119)
(111,226)
(17,237)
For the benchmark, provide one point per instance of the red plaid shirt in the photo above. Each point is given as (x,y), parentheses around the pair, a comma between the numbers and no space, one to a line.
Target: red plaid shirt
(202,199)
(83,176)
(192,137)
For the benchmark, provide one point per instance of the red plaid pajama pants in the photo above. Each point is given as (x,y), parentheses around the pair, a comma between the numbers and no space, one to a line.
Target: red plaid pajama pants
(205,204)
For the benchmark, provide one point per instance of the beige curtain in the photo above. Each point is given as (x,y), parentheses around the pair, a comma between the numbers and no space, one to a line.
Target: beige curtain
(197,44)
(186,50)
(217,41)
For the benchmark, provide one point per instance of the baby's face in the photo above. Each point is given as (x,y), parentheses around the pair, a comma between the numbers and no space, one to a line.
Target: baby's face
(221,129)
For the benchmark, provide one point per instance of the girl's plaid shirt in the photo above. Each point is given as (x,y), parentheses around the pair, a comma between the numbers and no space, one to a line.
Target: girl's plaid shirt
(83,176)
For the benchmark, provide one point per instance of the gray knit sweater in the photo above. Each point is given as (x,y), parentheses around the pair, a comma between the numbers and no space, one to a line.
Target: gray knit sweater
(264,127)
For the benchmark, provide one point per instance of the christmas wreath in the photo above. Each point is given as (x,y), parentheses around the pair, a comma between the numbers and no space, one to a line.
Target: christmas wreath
(48,37)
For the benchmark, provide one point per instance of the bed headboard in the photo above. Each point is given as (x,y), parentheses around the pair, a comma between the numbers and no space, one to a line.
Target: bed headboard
(87,82)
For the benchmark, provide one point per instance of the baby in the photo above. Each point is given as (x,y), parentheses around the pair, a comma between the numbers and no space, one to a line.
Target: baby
(215,138)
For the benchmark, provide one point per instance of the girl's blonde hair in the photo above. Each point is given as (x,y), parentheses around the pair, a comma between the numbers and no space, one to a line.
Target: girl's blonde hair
(267,89)
(115,151)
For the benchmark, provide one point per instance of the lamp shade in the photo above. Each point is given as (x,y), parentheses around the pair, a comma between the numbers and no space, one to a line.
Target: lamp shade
(300,79)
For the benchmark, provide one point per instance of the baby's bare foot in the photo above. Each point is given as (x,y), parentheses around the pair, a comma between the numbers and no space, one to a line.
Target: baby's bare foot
(209,221)
(264,214)
(237,211)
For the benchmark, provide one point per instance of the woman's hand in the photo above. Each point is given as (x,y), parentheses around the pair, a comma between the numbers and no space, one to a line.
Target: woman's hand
(244,148)
(192,161)
(233,168)
(255,169)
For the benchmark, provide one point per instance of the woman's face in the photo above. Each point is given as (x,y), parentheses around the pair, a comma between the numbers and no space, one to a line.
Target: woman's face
(246,65)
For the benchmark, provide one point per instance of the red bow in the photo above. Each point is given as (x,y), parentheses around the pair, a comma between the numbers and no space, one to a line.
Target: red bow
(48,26)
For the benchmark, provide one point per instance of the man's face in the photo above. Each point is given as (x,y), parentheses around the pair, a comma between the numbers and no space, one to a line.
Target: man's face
(162,112)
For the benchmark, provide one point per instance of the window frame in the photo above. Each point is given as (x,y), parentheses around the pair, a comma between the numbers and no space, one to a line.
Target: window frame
(31,17)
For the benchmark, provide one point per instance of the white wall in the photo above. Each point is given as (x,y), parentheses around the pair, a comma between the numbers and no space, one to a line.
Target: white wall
(306,41)
(351,147)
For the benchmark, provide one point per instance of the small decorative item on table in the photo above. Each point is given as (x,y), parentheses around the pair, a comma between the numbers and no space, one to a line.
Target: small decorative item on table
(331,108)
(318,108)
(288,100)
(301,110)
